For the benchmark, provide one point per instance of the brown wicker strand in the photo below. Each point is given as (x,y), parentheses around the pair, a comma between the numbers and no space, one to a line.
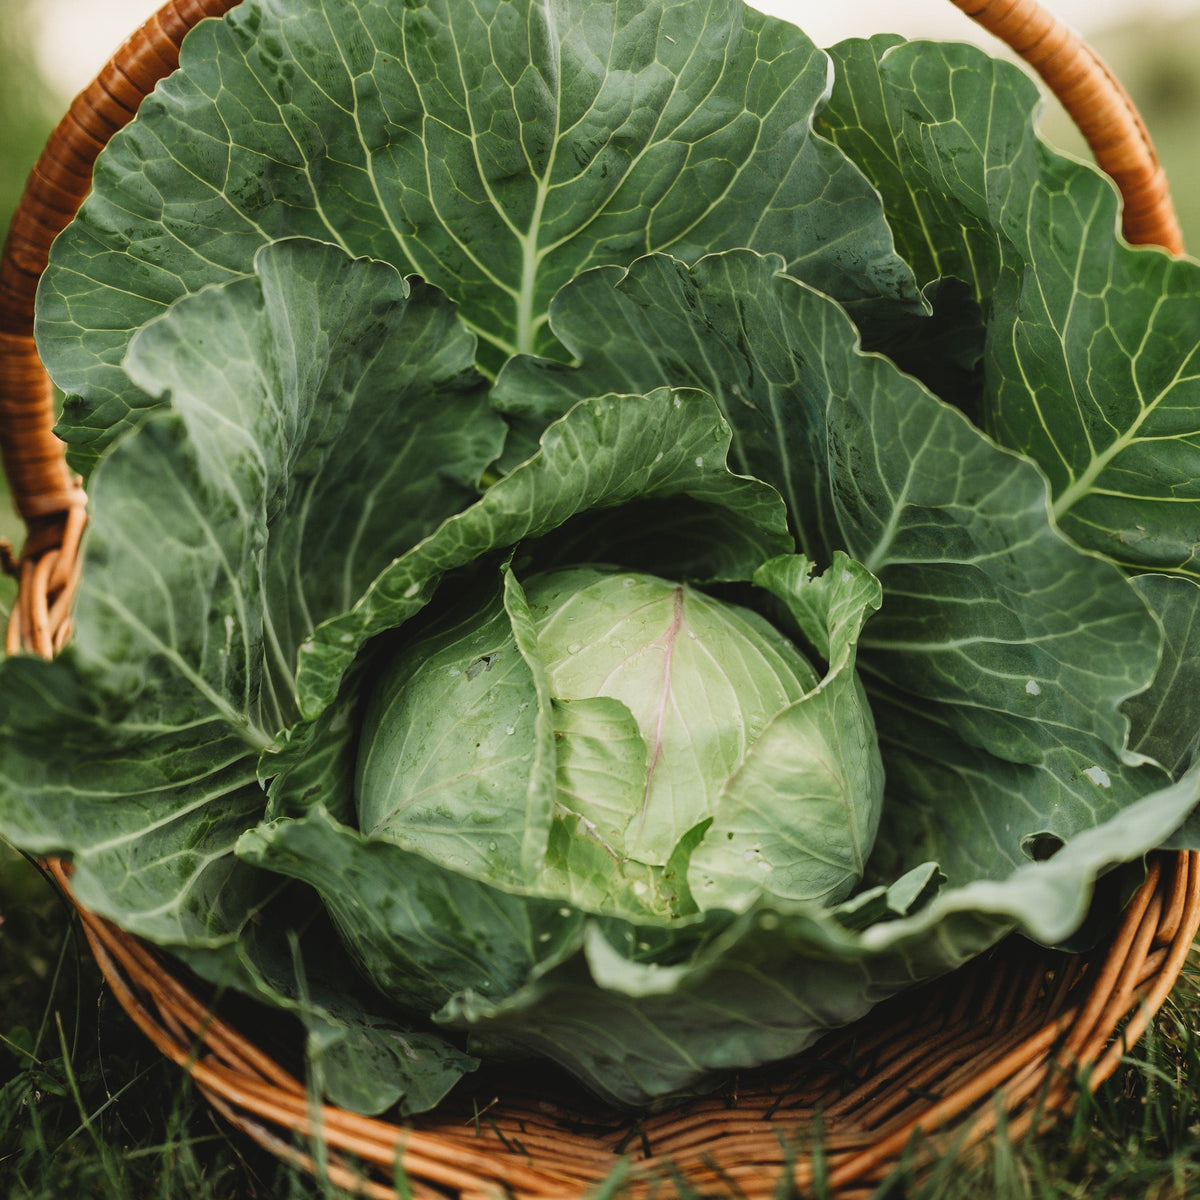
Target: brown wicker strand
(1154,992)
(1099,106)
(339,1175)
(1177,904)
(982,1084)
(1106,986)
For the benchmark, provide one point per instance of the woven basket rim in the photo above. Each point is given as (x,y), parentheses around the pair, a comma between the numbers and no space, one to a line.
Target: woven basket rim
(1033,1034)
(1010,1038)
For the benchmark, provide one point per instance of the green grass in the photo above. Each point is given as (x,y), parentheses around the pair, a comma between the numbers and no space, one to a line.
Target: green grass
(88,1108)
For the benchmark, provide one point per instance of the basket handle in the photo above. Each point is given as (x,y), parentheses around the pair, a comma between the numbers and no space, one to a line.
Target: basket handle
(1099,106)
(48,498)
(51,501)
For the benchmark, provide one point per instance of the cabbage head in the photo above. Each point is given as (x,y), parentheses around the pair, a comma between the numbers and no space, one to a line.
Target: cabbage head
(659,699)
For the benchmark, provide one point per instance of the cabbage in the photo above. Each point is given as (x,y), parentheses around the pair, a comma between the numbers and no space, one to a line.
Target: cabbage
(605,545)
(669,710)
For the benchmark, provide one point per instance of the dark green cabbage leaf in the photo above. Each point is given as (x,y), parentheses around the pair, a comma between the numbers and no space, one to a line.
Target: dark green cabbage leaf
(1091,356)
(495,147)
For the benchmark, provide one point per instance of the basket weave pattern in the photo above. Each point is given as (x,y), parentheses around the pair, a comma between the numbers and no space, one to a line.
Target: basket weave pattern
(1012,1037)
(929,1072)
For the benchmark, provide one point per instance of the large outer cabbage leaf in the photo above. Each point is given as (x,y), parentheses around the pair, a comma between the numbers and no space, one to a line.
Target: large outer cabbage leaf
(607,451)
(205,566)
(495,147)
(1092,359)
(1164,725)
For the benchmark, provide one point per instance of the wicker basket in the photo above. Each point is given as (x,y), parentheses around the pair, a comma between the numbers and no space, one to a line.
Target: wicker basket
(1010,1038)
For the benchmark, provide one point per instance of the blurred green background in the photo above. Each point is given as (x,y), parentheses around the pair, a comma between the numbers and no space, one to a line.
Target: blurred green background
(28,105)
